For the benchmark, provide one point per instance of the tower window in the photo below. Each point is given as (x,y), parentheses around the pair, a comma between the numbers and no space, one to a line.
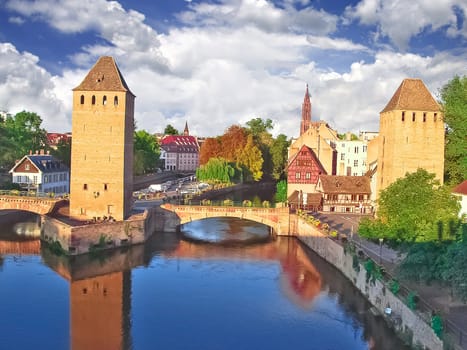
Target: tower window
(105,187)
(424,117)
(413,116)
(116,101)
(93,100)
(81,100)
(85,187)
(104,100)
(403,116)
(435,116)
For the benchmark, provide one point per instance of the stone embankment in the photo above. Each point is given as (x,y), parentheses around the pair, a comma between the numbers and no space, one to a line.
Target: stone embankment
(407,322)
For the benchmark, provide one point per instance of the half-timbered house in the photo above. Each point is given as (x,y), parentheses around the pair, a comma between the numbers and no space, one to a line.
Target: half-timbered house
(345,194)
(303,171)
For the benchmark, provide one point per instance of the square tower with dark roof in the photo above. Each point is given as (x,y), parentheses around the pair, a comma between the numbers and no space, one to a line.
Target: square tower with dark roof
(101,181)
(411,134)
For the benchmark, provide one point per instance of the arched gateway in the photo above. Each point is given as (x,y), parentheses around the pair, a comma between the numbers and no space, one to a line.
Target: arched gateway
(276,218)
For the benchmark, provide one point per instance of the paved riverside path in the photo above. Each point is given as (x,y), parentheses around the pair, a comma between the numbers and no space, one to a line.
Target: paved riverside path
(437,296)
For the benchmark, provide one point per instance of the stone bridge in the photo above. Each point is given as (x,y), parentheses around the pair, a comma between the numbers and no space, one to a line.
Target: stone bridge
(276,218)
(36,205)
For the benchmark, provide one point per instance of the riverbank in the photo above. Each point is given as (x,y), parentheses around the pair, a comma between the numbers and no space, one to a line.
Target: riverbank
(411,325)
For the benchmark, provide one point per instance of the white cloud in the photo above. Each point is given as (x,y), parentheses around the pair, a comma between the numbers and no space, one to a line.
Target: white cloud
(26,86)
(261,14)
(220,73)
(16,20)
(326,43)
(126,31)
(402,20)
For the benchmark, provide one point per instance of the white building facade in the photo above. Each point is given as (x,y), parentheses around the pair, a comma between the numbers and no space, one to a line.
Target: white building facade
(42,173)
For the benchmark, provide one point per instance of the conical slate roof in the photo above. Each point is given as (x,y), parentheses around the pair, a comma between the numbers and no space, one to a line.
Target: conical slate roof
(413,95)
(104,76)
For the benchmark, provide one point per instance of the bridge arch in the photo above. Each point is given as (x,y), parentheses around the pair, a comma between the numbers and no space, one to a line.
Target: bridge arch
(276,218)
(35,205)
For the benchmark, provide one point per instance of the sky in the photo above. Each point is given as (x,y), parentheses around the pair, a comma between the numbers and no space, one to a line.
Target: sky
(216,63)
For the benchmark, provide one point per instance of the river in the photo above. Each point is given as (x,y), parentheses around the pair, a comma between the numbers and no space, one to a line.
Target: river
(220,284)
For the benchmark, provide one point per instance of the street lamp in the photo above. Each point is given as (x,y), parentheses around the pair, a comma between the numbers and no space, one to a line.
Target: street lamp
(380,250)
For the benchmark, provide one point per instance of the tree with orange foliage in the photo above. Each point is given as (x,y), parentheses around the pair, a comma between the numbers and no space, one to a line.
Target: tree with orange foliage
(233,142)
(211,148)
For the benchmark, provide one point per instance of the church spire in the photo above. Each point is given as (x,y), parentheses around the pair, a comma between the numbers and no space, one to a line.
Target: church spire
(306,112)
(186,131)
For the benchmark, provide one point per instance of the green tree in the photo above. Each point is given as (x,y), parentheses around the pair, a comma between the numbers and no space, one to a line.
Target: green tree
(262,138)
(257,126)
(170,130)
(146,152)
(63,152)
(279,155)
(281,191)
(7,150)
(251,159)
(413,208)
(24,133)
(454,103)
(217,170)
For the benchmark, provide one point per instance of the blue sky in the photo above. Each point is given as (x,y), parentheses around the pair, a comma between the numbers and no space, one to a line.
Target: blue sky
(224,62)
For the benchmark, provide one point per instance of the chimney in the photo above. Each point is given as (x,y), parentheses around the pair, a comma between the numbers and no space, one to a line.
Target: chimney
(30,152)
(37,152)
(48,152)
(41,152)
(348,136)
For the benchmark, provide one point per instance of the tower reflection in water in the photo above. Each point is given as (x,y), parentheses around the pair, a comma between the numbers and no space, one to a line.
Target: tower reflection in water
(100,286)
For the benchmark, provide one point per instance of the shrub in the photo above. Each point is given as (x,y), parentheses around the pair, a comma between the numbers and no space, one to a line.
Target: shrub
(394,286)
(437,325)
(412,300)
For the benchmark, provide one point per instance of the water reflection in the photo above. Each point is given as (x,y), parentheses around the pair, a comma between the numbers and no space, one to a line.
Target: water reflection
(166,291)
(226,231)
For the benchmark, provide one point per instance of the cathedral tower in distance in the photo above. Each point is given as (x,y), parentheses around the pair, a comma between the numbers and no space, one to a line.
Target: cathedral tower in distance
(306,113)
(411,134)
(101,181)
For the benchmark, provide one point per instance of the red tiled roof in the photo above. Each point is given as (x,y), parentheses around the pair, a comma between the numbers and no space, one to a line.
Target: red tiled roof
(461,188)
(313,155)
(412,94)
(345,184)
(104,76)
(180,143)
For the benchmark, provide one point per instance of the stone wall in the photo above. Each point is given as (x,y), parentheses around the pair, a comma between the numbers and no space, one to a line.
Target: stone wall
(402,317)
(104,235)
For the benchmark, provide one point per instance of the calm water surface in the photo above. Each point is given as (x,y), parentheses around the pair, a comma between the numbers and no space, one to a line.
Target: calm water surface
(222,284)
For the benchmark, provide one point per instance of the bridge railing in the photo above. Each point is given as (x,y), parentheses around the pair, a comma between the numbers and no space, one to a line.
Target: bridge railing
(224,203)
(28,194)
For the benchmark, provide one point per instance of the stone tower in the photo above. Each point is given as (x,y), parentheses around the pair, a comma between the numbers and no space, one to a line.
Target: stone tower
(306,113)
(411,135)
(101,181)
